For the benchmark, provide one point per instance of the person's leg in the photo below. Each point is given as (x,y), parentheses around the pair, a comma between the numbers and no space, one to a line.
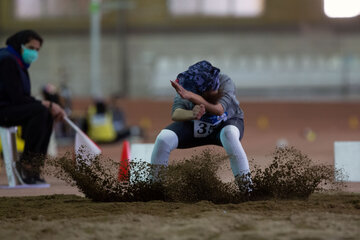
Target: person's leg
(166,141)
(36,122)
(229,136)
(176,135)
(37,131)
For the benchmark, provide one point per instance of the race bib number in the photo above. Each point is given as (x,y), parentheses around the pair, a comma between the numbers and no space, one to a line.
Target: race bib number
(206,125)
(202,129)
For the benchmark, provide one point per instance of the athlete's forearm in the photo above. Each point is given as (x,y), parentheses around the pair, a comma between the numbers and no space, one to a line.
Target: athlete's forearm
(182,115)
(216,109)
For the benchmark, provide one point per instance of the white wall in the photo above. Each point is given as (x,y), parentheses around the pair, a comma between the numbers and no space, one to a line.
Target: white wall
(253,61)
(257,61)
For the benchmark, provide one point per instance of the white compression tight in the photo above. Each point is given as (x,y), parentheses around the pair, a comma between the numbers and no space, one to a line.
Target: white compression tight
(229,137)
(167,141)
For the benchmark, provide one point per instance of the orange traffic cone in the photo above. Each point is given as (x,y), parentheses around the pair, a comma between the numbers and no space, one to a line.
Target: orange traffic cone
(124,163)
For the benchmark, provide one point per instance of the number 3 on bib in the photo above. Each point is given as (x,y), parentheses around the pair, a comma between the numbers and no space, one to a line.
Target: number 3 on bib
(202,129)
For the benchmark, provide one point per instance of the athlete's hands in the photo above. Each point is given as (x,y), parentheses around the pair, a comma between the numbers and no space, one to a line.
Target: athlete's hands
(198,111)
(185,94)
(197,99)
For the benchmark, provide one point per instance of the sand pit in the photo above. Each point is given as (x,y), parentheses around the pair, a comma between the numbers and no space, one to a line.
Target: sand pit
(73,217)
(323,216)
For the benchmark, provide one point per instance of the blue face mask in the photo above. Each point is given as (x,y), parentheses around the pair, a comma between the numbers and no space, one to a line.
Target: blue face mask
(29,55)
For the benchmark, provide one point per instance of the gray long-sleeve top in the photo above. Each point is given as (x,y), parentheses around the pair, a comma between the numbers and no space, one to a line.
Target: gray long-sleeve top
(228,101)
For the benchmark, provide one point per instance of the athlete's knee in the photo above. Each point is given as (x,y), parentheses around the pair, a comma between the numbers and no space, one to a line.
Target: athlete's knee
(229,132)
(167,139)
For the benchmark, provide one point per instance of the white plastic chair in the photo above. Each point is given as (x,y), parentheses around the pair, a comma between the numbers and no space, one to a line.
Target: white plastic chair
(8,141)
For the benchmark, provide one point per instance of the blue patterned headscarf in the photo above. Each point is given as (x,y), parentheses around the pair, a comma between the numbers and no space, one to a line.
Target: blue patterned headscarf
(200,77)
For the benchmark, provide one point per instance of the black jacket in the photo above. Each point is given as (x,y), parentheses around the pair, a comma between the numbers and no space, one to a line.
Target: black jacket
(14,80)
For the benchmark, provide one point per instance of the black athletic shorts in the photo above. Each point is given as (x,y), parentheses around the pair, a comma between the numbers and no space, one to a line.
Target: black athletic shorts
(185,132)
